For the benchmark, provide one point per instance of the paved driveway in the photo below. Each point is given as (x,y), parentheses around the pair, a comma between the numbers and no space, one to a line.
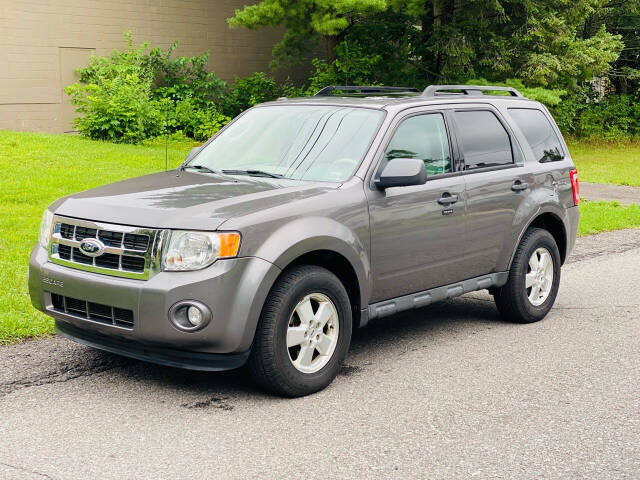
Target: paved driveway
(620,193)
(448,391)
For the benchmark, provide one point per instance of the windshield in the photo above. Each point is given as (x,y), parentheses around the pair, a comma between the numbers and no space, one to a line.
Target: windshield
(324,143)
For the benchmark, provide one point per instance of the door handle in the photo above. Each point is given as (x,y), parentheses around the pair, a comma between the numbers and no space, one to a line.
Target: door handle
(518,186)
(448,199)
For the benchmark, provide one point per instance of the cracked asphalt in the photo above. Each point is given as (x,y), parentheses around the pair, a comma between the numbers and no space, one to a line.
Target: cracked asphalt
(448,391)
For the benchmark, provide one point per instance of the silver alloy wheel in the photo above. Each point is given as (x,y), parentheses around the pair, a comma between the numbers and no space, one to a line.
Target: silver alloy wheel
(539,278)
(312,333)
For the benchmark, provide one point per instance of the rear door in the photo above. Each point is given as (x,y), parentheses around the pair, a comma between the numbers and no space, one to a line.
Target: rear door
(497,182)
(417,232)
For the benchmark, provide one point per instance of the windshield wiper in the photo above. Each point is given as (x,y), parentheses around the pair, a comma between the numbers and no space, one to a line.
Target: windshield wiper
(261,173)
(202,168)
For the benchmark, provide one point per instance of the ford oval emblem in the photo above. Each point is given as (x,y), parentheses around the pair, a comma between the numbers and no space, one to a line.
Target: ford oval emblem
(92,247)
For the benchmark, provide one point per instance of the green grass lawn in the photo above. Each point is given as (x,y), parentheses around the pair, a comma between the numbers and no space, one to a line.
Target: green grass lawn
(603,162)
(36,169)
(596,217)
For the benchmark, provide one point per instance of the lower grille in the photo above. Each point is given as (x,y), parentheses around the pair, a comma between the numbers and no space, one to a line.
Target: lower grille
(96,312)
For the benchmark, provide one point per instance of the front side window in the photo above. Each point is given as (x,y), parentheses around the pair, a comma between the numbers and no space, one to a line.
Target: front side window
(484,140)
(303,142)
(423,137)
(539,133)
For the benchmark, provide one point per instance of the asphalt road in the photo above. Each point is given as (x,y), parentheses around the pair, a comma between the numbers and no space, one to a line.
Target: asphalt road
(449,391)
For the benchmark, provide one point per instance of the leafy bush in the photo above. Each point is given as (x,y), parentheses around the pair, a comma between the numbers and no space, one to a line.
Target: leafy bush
(582,114)
(117,105)
(199,123)
(247,92)
(613,117)
(254,89)
(182,78)
(140,93)
(352,66)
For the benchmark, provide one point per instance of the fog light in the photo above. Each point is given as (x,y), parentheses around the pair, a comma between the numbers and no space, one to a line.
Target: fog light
(194,315)
(189,315)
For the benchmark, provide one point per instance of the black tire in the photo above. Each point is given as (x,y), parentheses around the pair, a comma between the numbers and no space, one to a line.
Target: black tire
(512,299)
(269,361)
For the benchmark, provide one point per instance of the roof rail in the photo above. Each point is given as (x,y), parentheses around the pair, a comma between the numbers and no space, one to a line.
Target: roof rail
(364,89)
(471,90)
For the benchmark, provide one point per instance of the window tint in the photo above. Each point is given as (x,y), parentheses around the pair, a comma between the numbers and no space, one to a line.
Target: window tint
(484,139)
(423,137)
(539,133)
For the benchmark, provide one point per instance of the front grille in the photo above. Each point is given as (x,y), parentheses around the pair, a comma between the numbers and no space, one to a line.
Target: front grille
(109,260)
(96,312)
(78,256)
(64,251)
(83,232)
(136,242)
(132,264)
(66,231)
(113,239)
(128,251)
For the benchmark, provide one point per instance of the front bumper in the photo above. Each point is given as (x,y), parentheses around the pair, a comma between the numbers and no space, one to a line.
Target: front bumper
(164,356)
(234,290)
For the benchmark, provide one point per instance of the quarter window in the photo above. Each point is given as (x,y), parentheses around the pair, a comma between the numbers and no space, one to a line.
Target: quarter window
(424,137)
(539,133)
(484,140)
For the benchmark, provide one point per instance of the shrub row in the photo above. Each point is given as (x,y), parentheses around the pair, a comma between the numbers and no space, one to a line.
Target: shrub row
(143,92)
(140,93)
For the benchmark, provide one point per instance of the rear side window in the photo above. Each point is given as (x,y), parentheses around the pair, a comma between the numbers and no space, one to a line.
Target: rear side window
(539,133)
(484,140)
(424,137)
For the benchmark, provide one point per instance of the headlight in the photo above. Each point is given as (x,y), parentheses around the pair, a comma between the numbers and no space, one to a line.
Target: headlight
(45,229)
(187,250)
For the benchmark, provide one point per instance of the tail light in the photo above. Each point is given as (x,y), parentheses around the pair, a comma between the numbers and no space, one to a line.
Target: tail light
(575,187)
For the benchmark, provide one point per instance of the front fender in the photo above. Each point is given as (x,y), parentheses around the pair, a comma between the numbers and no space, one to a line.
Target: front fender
(308,234)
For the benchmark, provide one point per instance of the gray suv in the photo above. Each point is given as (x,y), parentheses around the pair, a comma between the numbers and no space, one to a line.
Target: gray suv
(306,218)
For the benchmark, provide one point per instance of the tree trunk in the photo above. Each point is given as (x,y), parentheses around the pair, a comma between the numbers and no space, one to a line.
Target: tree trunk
(331,42)
(438,20)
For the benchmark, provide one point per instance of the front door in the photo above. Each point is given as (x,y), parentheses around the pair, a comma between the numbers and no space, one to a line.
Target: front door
(417,232)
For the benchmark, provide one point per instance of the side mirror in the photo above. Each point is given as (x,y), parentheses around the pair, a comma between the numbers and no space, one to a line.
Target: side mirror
(193,152)
(402,172)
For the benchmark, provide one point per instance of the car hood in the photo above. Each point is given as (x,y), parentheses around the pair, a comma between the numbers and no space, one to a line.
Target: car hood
(184,200)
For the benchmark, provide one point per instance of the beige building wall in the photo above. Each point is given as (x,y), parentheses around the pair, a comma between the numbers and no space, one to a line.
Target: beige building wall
(42,42)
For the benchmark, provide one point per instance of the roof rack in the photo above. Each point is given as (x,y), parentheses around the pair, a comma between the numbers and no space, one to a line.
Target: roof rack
(471,90)
(364,89)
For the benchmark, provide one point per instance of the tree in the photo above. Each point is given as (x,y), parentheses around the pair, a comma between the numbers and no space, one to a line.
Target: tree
(539,41)
(557,43)
(621,18)
(306,21)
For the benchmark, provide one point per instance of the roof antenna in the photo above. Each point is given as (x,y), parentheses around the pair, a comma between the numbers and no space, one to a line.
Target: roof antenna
(166,140)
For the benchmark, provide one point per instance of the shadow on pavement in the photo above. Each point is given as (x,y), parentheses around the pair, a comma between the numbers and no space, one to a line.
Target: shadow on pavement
(57,360)
(383,337)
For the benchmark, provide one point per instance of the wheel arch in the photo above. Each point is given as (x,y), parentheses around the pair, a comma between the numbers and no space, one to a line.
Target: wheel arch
(552,222)
(322,241)
(340,266)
